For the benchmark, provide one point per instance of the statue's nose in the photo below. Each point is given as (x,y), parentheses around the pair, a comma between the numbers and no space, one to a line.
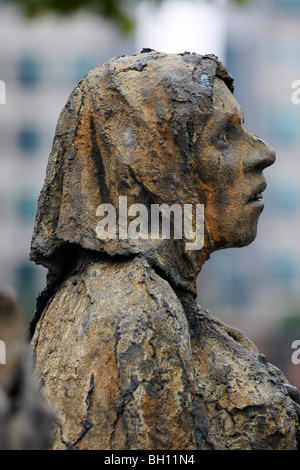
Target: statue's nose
(260,156)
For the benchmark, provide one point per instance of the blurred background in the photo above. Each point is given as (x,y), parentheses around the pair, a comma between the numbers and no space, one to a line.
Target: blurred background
(47,46)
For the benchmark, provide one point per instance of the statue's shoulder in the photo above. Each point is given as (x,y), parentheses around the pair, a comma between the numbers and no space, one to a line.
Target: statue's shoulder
(211,322)
(127,282)
(113,288)
(248,402)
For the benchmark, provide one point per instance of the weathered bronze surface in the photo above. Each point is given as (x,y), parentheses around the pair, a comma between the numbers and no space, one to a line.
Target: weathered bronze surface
(123,352)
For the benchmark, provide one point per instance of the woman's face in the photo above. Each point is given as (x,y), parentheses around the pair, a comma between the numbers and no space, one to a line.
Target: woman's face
(229,164)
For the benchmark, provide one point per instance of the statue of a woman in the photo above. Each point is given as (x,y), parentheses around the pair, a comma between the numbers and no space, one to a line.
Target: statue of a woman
(123,352)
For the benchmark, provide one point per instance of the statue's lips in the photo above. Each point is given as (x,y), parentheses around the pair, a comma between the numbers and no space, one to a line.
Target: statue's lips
(256,196)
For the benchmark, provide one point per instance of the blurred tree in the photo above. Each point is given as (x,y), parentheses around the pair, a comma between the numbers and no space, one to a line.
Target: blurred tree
(116,10)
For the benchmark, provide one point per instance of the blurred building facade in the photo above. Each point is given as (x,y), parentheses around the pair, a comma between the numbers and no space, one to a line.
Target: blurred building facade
(41,61)
(255,288)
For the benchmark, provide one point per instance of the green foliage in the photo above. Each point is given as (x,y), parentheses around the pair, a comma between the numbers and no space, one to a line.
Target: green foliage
(241,2)
(111,9)
(291,322)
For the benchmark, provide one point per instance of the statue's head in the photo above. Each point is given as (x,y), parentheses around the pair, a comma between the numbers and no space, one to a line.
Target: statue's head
(151,129)
(229,163)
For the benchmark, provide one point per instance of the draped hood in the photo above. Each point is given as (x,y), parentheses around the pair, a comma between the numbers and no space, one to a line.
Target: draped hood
(127,129)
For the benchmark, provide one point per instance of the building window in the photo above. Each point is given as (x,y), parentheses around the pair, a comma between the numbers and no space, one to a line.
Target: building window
(28,140)
(285,197)
(283,124)
(26,285)
(236,291)
(82,66)
(26,206)
(286,51)
(28,71)
(282,268)
(288,4)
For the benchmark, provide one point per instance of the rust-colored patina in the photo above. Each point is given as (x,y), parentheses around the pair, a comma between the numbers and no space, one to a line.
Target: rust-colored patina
(123,352)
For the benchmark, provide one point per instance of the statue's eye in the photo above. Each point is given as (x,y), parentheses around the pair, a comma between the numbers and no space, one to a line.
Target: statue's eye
(223,138)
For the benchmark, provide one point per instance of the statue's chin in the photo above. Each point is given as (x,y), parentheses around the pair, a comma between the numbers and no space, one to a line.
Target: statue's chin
(236,240)
(247,240)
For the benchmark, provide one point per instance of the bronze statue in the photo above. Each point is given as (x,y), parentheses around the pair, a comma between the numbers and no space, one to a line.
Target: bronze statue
(123,352)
